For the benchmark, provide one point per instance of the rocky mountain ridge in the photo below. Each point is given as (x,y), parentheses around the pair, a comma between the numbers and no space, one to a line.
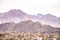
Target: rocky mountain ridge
(28,26)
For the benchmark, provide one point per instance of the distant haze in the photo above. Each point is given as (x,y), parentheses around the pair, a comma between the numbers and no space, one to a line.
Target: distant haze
(32,6)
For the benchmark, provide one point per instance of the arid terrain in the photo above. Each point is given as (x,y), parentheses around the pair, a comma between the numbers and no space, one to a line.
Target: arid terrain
(27,36)
(17,25)
(28,30)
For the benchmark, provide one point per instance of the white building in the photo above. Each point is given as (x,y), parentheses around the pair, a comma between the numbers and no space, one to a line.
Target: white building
(54,38)
(39,38)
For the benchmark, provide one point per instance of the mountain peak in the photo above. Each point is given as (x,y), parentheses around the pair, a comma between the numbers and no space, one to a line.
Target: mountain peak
(15,10)
(15,13)
(50,15)
(39,14)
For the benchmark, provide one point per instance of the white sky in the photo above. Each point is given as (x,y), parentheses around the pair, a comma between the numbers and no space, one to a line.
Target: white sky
(32,6)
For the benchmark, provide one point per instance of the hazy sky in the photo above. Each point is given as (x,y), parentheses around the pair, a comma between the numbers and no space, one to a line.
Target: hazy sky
(32,6)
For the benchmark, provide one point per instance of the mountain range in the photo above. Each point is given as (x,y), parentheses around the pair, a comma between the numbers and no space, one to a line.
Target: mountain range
(19,21)
(17,15)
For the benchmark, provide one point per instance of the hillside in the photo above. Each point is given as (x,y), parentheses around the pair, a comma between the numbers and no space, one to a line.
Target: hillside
(28,26)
